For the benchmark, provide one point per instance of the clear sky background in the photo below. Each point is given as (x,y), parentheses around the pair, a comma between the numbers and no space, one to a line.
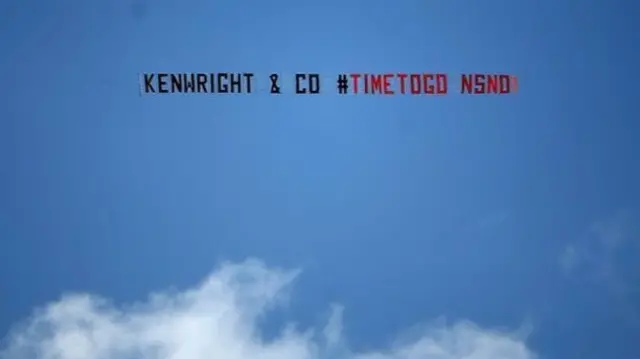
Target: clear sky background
(470,227)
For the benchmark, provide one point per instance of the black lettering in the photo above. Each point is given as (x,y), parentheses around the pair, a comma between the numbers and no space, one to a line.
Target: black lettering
(162,83)
(189,82)
(275,88)
(236,83)
(314,83)
(222,87)
(300,90)
(176,82)
(148,83)
(248,77)
(202,83)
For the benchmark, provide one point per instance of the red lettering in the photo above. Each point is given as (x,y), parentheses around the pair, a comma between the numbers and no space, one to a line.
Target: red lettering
(366,83)
(354,81)
(479,84)
(435,83)
(442,84)
(376,83)
(492,83)
(387,84)
(488,84)
(429,88)
(467,83)
(403,78)
(505,84)
(415,84)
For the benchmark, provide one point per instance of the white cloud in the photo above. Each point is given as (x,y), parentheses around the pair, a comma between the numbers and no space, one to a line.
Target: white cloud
(569,259)
(219,320)
(597,253)
(606,256)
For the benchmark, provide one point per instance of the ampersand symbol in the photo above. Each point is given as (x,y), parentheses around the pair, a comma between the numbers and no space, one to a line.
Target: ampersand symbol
(275,89)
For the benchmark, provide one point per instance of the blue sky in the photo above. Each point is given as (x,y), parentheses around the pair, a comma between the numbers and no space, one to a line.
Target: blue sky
(465,227)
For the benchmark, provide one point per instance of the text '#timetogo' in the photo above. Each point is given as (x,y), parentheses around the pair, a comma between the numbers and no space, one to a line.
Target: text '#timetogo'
(428,84)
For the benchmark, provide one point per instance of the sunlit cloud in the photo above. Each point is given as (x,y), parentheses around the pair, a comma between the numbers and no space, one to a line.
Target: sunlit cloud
(219,319)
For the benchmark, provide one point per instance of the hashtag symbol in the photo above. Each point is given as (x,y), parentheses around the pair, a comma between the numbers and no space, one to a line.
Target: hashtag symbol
(343,84)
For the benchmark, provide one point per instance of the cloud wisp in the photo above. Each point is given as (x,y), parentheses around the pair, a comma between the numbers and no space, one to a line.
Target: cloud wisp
(219,319)
(606,256)
(599,253)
